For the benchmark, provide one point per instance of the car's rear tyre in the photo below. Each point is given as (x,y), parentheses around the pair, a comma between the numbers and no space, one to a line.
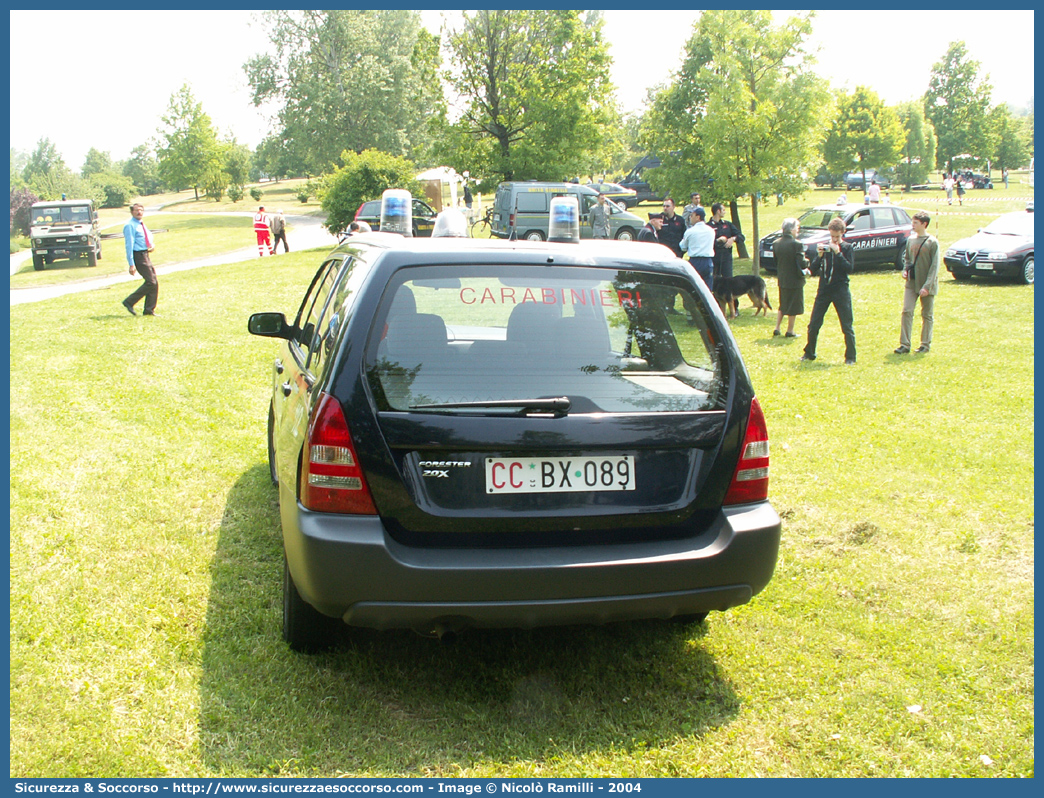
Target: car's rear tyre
(38,262)
(625,234)
(1026,278)
(534,235)
(92,258)
(304,628)
(273,474)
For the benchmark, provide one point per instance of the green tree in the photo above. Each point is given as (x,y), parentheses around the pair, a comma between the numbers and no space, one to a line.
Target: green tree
(363,177)
(672,127)
(189,153)
(865,134)
(756,109)
(52,185)
(238,160)
(273,158)
(216,178)
(347,80)
(627,146)
(957,103)
(96,162)
(117,190)
(143,170)
(536,93)
(1011,144)
(919,143)
(19,160)
(43,161)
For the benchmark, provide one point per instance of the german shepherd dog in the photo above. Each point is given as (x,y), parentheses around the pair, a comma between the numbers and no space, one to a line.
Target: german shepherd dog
(728,290)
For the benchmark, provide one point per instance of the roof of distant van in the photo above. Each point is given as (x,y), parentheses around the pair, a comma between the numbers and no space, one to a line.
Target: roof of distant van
(545,185)
(61,203)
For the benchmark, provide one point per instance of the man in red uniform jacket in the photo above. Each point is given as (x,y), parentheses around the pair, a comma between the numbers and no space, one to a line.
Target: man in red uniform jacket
(264,236)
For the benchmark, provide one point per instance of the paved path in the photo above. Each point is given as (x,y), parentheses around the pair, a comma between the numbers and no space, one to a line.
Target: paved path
(307,233)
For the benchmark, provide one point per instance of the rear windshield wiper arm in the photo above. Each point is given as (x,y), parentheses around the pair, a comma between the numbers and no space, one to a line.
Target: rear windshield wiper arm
(558,404)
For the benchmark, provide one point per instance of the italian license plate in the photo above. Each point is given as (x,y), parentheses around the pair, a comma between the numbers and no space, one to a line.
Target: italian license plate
(559,474)
(766,253)
(984,266)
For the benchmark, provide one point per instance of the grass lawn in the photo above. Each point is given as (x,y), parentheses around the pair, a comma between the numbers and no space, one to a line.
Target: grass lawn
(179,237)
(896,638)
(281,194)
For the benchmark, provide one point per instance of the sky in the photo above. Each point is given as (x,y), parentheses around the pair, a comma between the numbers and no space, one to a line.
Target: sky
(890,51)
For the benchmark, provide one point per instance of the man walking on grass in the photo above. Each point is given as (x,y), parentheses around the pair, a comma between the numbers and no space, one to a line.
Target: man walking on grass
(277,224)
(921,273)
(138,241)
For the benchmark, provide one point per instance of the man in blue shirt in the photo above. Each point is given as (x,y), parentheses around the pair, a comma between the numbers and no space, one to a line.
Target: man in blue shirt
(138,240)
(698,241)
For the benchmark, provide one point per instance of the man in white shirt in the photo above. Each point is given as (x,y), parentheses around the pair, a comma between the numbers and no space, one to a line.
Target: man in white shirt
(698,241)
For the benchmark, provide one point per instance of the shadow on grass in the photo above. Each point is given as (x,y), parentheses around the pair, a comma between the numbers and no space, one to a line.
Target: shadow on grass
(72,264)
(396,703)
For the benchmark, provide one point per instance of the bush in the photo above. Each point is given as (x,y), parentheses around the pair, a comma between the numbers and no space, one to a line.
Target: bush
(117,190)
(256,193)
(22,200)
(235,193)
(303,196)
(363,177)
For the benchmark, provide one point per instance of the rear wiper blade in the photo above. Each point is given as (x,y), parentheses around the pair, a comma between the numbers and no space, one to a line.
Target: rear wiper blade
(558,404)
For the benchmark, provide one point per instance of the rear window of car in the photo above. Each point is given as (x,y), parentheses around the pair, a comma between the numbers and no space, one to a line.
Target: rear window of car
(532,201)
(448,337)
(818,217)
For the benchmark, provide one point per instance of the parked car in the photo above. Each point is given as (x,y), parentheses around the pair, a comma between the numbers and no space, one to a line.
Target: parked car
(627,197)
(423,216)
(1004,248)
(462,437)
(636,181)
(523,208)
(877,233)
(825,177)
(854,180)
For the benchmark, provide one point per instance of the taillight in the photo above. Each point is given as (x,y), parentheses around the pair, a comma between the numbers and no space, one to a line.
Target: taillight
(332,480)
(750,482)
(511,220)
(358,211)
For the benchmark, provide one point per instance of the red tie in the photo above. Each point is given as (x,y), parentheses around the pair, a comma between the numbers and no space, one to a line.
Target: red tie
(148,238)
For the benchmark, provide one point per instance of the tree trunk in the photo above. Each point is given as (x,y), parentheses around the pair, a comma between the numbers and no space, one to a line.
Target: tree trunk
(754,224)
(741,246)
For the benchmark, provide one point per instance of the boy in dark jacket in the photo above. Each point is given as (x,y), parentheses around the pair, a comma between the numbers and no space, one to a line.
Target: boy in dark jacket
(833,263)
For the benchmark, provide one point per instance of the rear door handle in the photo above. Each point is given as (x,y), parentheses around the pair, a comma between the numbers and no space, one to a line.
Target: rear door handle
(287,389)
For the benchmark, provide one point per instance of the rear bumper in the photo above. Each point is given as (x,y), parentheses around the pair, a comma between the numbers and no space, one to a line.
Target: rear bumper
(348,567)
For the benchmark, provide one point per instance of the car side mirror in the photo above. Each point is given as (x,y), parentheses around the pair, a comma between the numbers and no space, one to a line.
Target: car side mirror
(270,325)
